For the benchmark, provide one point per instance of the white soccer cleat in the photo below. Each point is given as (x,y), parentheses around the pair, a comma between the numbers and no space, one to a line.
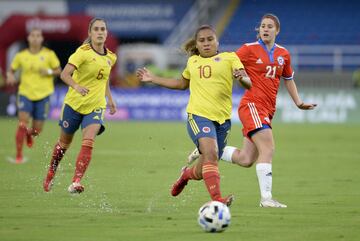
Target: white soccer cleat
(193,156)
(76,187)
(271,203)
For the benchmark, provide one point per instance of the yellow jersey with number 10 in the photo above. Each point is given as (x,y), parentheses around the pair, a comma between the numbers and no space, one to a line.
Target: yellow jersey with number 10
(33,85)
(92,71)
(211,81)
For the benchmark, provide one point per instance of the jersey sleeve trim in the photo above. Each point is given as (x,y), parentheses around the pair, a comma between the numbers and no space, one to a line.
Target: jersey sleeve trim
(73,65)
(290,77)
(185,78)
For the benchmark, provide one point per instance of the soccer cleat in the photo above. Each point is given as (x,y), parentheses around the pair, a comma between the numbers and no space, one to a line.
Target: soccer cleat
(49,181)
(19,159)
(76,187)
(29,140)
(227,200)
(193,156)
(179,185)
(271,203)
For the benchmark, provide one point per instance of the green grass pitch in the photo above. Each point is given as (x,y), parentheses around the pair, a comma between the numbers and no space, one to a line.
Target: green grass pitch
(316,172)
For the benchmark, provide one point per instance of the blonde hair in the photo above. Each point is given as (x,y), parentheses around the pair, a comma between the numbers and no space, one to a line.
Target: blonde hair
(272,17)
(91,23)
(190,45)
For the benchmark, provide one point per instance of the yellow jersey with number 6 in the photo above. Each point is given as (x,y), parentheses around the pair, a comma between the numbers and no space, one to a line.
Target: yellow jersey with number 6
(92,71)
(211,81)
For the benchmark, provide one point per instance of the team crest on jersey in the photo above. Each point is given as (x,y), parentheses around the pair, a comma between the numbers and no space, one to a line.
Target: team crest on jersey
(280,60)
(206,129)
(109,62)
(267,119)
(65,124)
(42,58)
(217,59)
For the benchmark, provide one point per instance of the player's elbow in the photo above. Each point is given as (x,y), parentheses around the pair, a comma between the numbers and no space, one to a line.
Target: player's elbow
(183,85)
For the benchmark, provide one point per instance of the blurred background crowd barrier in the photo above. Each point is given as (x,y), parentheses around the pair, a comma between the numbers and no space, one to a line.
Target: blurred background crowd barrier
(323,38)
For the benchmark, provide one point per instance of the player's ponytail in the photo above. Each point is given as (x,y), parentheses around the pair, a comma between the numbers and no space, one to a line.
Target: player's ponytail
(190,45)
(88,39)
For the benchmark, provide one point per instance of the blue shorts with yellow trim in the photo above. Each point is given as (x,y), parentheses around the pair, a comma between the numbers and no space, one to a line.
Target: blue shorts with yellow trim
(199,127)
(37,109)
(71,120)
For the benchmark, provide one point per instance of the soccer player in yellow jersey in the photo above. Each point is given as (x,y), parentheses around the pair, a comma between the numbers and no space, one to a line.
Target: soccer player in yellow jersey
(209,75)
(38,66)
(87,75)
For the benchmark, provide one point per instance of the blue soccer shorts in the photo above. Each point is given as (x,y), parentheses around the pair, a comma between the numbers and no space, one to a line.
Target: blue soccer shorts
(71,120)
(199,127)
(37,109)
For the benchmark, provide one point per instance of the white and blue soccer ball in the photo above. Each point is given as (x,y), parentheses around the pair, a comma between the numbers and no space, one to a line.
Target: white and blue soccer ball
(214,217)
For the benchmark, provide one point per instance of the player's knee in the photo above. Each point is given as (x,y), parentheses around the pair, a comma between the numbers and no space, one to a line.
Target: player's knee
(211,156)
(244,159)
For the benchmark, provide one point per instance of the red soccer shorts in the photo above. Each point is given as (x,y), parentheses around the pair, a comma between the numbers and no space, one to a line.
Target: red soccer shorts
(253,116)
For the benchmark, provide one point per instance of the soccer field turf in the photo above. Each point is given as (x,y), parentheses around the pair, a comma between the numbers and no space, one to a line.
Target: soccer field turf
(315,172)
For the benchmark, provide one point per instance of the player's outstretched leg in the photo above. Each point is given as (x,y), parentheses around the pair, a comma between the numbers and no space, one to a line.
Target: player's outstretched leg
(180,183)
(264,173)
(19,140)
(210,173)
(30,134)
(82,162)
(187,173)
(57,155)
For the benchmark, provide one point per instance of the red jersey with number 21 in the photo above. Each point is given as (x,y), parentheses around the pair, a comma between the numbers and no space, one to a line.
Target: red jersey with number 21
(265,68)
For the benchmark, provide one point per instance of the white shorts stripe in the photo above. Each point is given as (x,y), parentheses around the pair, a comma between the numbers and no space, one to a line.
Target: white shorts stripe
(255,115)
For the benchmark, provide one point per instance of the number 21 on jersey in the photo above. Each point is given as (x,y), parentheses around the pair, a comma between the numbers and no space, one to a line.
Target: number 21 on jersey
(270,72)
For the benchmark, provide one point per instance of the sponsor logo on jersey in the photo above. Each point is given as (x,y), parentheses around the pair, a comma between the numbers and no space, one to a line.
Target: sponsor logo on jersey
(259,61)
(96,118)
(280,60)
(206,129)
(267,119)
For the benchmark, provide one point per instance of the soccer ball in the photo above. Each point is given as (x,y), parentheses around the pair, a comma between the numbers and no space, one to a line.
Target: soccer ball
(214,217)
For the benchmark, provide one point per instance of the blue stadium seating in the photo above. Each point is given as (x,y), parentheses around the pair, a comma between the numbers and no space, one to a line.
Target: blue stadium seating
(321,22)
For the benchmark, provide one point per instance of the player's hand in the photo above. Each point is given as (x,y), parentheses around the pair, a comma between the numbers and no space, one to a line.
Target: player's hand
(10,79)
(305,106)
(143,74)
(243,78)
(81,90)
(45,72)
(112,107)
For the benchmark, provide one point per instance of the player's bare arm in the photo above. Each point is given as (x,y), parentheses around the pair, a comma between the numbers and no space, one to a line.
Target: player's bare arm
(66,77)
(110,101)
(291,88)
(50,72)
(10,77)
(146,75)
(242,77)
